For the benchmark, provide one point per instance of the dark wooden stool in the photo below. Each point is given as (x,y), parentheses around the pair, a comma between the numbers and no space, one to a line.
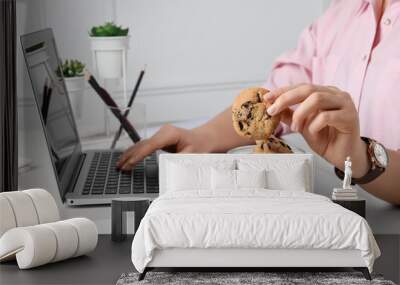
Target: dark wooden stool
(119,207)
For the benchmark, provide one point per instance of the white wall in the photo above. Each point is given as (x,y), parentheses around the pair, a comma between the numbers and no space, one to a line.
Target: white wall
(199,54)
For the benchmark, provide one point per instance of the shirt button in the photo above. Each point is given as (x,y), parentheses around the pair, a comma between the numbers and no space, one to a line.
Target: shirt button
(387,22)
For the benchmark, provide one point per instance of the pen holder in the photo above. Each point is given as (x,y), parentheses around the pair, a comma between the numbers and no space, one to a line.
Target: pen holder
(98,126)
(135,115)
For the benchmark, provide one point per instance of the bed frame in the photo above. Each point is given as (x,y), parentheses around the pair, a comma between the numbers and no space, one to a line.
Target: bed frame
(242,259)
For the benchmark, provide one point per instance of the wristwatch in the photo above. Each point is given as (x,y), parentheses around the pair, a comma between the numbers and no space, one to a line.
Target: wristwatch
(378,158)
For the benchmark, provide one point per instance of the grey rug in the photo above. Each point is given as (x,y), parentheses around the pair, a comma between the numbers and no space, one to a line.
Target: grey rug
(230,278)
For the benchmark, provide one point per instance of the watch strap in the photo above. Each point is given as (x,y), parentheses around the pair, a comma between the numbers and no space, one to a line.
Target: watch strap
(372,174)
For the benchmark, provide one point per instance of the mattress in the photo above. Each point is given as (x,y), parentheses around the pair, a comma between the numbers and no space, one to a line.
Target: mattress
(251,219)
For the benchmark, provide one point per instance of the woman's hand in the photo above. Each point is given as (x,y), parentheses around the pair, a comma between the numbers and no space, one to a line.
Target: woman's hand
(168,138)
(327,119)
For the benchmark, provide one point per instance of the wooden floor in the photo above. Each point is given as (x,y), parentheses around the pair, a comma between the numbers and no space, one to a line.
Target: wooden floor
(110,260)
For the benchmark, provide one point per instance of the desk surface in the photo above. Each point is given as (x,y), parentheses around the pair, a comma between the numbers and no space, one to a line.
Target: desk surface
(111,259)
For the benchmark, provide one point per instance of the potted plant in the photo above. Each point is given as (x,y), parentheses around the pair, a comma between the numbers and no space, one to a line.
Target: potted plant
(109,44)
(72,71)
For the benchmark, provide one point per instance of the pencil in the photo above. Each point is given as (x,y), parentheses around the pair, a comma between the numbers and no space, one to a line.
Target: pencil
(100,91)
(109,101)
(130,103)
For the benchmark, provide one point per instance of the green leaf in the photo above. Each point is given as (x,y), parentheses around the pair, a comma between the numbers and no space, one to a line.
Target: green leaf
(109,29)
(71,68)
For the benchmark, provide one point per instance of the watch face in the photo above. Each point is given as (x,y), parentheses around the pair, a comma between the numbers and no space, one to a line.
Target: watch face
(380,155)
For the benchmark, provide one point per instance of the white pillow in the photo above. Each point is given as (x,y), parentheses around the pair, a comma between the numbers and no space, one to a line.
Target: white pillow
(186,175)
(293,180)
(227,179)
(251,178)
(282,174)
(223,179)
(182,178)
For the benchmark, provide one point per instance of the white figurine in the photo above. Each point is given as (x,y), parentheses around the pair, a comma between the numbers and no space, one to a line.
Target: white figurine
(347,174)
(346,192)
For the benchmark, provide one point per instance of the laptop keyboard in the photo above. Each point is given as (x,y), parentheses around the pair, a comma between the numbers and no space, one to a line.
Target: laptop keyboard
(104,178)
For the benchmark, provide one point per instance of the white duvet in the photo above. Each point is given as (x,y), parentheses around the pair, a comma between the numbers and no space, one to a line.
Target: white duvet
(250,219)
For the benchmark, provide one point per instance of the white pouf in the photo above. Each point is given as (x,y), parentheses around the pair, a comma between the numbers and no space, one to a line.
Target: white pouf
(31,233)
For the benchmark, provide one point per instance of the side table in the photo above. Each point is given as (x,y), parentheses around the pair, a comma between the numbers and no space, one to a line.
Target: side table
(119,207)
(357,206)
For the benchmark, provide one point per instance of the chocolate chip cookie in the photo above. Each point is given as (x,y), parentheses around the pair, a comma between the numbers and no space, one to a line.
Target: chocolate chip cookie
(249,115)
(272,145)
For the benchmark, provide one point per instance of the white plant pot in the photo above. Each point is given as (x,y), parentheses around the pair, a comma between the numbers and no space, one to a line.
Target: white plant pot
(108,55)
(76,91)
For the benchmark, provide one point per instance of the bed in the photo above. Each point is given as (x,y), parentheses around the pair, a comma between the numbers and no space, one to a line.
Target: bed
(224,210)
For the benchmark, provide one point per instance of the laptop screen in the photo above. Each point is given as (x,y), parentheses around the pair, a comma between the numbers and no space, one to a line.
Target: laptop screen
(53,104)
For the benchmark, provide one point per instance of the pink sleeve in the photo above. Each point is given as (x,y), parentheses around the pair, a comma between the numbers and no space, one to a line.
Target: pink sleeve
(295,66)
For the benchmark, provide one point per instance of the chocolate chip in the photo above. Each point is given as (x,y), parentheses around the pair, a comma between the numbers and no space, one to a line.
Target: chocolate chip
(259,97)
(240,125)
(246,105)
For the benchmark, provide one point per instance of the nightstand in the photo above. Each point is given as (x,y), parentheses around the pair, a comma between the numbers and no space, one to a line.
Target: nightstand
(119,207)
(357,206)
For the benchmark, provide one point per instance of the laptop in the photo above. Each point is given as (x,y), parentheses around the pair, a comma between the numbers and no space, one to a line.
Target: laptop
(84,178)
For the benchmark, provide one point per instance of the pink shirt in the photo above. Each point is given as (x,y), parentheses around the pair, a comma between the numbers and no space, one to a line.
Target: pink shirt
(347,48)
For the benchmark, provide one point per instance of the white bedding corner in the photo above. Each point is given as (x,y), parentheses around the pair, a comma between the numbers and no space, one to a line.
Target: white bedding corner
(252,218)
